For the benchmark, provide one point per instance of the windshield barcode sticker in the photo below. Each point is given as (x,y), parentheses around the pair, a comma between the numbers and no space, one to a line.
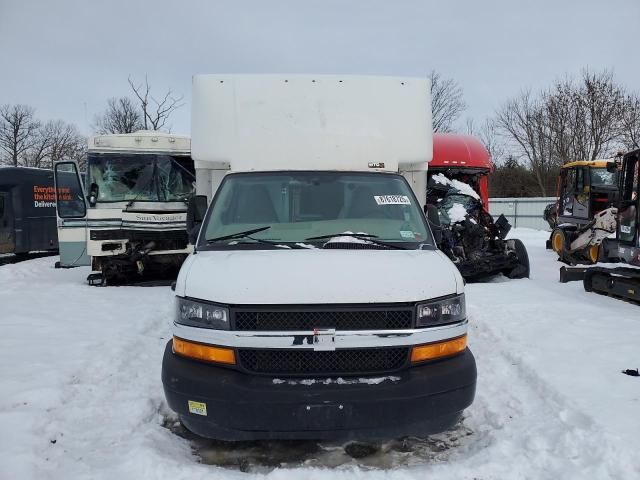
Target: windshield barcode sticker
(392,200)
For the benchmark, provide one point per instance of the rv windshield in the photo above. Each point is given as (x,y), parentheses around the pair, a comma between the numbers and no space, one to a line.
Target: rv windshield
(141,177)
(299,206)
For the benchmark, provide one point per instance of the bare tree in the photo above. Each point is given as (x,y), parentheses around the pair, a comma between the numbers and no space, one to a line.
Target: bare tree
(36,155)
(54,141)
(121,116)
(65,140)
(18,129)
(447,103)
(470,126)
(522,121)
(487,133)
(155,111)
(492,141)
(631,122)
(571,120)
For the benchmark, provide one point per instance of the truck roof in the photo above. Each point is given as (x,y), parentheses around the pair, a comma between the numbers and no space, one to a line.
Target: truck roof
(142,141)
(311,122)
(17,175)
(454,150)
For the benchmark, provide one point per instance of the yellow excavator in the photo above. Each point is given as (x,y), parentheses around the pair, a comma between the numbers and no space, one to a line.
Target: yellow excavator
(621,278)
(584,212)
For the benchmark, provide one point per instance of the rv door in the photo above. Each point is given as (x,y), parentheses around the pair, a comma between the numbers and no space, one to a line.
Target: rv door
(71,212)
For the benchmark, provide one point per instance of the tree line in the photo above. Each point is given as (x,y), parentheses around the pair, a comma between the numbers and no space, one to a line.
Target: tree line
(27,141)
(588,117)
(529,137)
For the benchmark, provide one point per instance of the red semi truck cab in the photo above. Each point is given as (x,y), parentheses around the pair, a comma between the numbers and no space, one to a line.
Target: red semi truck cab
(464,158)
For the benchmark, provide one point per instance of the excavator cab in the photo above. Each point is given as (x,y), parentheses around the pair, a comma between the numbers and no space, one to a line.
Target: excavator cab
(586,192)
(584,189)
(628,231)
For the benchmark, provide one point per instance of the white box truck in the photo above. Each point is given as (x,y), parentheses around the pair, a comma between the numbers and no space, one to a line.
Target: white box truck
(315,304)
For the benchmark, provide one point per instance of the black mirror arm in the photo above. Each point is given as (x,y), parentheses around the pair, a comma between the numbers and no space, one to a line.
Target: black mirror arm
(193,232)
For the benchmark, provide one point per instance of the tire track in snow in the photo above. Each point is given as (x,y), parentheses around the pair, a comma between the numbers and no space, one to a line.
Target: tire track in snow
(113,400)
(519,414)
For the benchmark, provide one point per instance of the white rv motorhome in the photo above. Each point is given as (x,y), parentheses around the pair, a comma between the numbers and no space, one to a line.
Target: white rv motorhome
(129,217)
(315,304)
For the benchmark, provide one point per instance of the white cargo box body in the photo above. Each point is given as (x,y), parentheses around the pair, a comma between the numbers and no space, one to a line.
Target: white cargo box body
(303,122)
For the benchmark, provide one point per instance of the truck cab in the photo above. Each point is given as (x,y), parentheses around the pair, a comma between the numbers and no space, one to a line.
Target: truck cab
(315,304)
(129,218)
(458,189)
(463,158)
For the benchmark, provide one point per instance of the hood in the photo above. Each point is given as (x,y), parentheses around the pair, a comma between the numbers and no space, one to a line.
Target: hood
(318,276)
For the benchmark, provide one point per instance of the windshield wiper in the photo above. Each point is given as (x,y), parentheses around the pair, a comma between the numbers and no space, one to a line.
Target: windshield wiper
(361,236)
(244,234)
(247,234)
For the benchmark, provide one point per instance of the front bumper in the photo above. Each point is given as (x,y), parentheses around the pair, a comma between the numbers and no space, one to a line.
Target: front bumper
(488,265)
(417,401)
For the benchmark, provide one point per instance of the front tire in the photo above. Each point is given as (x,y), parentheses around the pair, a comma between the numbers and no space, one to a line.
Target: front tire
(558,241)
(522,270)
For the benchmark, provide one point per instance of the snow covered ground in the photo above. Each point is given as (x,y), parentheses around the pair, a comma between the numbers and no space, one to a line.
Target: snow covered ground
(81,397)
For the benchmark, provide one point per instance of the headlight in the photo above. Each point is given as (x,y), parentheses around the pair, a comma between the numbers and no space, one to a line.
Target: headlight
(199,314)
(440,312)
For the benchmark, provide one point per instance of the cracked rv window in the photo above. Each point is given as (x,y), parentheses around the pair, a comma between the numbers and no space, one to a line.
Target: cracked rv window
(299,206)
(141,177)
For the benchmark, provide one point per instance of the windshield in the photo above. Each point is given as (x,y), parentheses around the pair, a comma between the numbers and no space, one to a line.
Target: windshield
(141,177)
(454,207)
(297,206)
(600,176)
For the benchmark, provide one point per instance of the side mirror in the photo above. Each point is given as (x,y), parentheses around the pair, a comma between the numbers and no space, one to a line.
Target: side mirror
(431,211)
(612,167)
(195,215)
(93,194)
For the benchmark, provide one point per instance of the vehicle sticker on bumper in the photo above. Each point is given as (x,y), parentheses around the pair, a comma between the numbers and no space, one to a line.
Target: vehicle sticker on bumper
(199,408)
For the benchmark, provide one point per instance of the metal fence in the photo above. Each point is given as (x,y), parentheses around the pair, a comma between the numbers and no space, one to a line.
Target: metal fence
(522,212)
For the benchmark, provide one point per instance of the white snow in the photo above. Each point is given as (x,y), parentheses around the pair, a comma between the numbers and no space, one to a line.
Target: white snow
(457,213)
(462,187)
(346,237)
(80,366)
(337,381)
(305,245)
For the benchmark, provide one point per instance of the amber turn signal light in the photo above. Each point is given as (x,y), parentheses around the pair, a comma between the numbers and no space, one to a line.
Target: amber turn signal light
(433,351)
(206,353)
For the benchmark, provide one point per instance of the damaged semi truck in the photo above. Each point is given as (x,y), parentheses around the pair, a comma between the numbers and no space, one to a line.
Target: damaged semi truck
(458,191)
(315,304)
(130,218)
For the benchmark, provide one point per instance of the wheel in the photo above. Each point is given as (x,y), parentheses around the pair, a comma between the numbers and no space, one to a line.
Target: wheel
(522,270)
(558,241)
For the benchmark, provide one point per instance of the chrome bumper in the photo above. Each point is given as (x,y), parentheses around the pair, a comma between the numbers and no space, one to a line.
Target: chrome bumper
(304,339)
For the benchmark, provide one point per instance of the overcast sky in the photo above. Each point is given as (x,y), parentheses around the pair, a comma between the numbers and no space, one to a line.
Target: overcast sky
(66,57)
